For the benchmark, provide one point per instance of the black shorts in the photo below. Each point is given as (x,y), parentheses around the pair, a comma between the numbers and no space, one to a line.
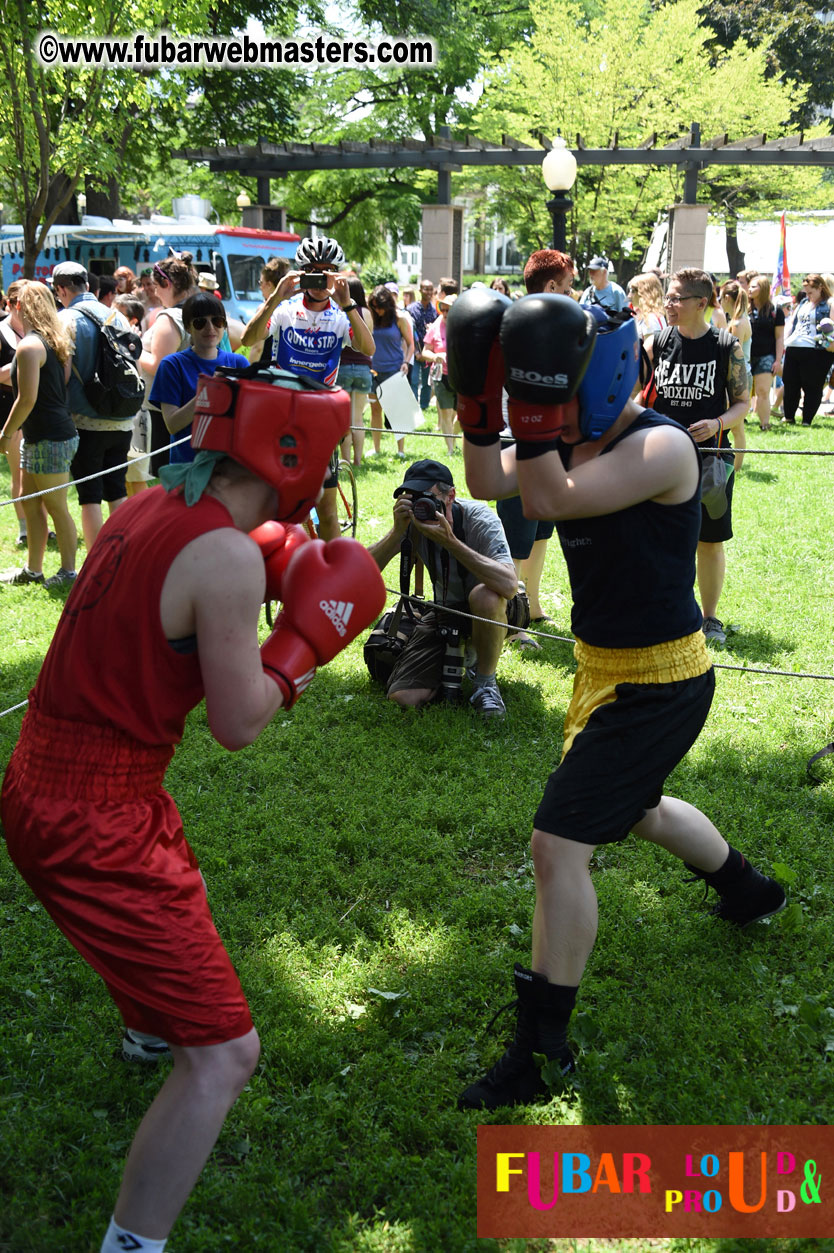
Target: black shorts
(97,451)
(521,532)
(623,738)
(716,530)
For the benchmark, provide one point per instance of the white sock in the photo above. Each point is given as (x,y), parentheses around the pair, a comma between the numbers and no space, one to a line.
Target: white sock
(485,680)
(118,1240)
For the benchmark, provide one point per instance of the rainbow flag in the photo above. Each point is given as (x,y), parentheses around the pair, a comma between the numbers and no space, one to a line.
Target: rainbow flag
(781,285)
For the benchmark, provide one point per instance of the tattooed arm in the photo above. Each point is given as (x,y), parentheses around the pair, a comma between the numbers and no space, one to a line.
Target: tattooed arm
(738,390)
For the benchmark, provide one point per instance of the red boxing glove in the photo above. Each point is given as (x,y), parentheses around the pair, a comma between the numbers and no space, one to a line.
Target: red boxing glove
(331,593)
(277,543)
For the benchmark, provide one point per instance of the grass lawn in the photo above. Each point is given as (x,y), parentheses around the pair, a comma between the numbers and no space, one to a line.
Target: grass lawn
(369,872)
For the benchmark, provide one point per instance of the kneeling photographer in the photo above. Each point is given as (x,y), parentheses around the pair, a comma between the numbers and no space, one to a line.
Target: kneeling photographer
(463,547)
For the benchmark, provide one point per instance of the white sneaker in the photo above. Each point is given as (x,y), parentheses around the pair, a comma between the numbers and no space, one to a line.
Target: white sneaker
(139,1047)
(486,700)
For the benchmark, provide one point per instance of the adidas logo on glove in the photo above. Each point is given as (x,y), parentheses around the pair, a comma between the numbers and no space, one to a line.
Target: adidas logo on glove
(338,611)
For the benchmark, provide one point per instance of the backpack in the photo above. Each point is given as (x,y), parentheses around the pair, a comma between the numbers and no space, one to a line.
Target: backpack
(116,389)
(386,642)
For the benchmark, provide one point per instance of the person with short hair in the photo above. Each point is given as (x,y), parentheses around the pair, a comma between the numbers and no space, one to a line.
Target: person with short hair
(311,318)
(108,289)
(601,291)
(462,545)
(355,377)
(701,381)
(422,313)
(623,486)
(103,442)
(549,270)
(173,591)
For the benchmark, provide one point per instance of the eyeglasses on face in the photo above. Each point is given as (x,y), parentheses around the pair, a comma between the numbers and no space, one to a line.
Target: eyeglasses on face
(217,321)
(678,300)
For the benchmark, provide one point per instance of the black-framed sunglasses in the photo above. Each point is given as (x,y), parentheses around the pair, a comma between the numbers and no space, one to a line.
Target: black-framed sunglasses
(217,321)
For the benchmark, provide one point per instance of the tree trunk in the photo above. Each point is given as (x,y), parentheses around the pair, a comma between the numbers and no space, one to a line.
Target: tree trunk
(103,202)
(59,185)
(735,257)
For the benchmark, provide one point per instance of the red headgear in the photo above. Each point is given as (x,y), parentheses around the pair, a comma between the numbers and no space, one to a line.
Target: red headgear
(277,427)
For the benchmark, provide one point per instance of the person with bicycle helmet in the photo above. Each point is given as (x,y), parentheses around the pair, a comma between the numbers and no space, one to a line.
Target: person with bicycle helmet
(311,318)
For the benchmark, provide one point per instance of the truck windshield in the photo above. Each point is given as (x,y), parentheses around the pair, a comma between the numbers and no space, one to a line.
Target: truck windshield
(245,272)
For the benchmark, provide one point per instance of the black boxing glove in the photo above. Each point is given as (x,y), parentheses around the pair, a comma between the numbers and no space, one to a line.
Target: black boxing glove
(548,341)
(476,363)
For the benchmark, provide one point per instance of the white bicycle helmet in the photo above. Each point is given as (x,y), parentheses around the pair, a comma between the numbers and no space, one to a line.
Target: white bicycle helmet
(321,251)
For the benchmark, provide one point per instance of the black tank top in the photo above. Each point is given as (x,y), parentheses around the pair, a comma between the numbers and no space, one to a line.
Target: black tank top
(691,378)
(632,572)
(50,418)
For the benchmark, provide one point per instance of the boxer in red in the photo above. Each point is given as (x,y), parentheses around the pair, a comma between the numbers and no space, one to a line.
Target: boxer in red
(164,612)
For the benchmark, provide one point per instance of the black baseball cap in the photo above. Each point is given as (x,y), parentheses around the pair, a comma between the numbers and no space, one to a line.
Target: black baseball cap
(422,475)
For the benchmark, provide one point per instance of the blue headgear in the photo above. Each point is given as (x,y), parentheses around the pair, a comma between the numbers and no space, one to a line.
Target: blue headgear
(609,380)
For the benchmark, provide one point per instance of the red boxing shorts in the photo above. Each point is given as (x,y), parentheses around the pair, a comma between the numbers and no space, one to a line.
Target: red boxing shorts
(101,845)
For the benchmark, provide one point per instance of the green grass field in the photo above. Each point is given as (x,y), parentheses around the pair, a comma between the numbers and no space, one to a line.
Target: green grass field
(369,872)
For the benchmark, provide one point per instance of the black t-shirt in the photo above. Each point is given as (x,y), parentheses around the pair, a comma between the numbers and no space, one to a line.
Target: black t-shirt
(691,378)
(764,323)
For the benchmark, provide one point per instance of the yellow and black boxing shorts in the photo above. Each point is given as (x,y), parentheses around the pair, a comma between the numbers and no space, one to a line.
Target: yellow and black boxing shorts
(634,714)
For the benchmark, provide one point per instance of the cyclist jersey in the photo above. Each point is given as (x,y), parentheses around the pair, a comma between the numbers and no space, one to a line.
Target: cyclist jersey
(309,341)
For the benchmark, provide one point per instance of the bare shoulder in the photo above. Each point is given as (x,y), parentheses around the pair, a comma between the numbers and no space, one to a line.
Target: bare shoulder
(216,577)
(225,556)
(31,348)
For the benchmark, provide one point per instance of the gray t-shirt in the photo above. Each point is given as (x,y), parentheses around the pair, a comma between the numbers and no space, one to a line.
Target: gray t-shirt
(482,532)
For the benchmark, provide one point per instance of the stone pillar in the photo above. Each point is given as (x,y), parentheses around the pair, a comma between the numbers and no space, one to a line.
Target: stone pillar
(265,217)
(442,239)
(687,237)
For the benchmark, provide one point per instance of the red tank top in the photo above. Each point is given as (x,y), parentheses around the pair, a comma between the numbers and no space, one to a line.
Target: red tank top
(109,662)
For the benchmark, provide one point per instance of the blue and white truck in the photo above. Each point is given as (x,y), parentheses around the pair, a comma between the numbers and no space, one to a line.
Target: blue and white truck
(233,254)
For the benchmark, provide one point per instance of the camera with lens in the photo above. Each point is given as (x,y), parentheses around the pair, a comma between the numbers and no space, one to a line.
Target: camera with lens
(453,658)
(426,507)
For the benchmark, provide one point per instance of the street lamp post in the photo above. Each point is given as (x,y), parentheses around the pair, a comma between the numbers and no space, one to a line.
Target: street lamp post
(559,174)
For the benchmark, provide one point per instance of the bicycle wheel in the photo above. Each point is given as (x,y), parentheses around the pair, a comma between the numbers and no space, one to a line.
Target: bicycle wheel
(347,502)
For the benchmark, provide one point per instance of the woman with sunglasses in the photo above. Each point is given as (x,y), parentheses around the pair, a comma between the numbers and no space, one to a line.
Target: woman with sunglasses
(174,390)
(393,333)
(175,280)
(807,360)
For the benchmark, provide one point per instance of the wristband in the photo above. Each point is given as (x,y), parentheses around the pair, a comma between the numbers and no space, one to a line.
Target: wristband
(349,308)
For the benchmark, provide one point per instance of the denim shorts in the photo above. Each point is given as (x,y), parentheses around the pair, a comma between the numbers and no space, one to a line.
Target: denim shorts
(47,456)
(762,365)
(354,377)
